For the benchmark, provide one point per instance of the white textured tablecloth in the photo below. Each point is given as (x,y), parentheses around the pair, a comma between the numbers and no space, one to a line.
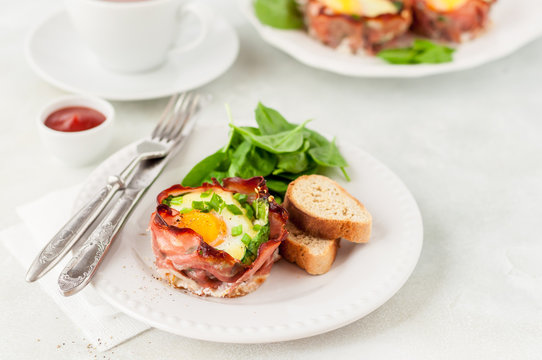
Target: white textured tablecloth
(467,144)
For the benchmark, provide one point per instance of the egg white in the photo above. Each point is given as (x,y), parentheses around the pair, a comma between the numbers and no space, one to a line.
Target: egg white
(231,244)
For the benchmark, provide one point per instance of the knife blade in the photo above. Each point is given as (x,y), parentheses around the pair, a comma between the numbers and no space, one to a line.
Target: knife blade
(81,268)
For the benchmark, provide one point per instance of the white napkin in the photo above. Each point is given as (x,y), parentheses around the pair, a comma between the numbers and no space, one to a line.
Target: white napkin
(103,325)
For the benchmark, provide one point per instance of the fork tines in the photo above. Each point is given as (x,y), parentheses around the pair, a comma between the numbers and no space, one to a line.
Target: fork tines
(178,110)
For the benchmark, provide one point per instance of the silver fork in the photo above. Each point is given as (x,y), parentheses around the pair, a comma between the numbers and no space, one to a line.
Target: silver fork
(158,145)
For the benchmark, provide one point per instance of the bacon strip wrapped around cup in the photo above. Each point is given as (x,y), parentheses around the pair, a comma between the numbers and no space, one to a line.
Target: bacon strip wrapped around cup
(357,25)
(217,239)
(451,20)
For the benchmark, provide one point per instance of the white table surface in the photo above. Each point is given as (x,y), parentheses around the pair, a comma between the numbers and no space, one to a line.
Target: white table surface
(467,144)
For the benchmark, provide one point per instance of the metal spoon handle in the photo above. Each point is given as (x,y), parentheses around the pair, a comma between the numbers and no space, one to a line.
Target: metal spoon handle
(70,233)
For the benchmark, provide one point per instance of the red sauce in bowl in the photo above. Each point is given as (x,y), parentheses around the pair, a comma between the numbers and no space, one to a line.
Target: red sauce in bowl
(75,118)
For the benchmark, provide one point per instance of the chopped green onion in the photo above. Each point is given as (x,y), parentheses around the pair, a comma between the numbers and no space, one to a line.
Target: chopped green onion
(185,210)
(216,202)
(242,198)
(246,239)
(257,227)
(237,230)
(200,205)
(250,211)
(260,209)
(206,193)
(167,200)
(177,200)
(234,209)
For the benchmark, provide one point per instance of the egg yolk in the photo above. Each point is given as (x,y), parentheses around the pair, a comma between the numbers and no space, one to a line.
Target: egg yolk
(445,5)
(344,6)
(210,227)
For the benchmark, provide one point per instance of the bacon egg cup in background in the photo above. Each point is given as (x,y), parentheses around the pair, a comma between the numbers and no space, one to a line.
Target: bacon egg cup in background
(357,25)
(451,20)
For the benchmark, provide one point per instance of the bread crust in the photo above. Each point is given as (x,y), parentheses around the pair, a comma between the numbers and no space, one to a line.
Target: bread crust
(300,254)
(354,231)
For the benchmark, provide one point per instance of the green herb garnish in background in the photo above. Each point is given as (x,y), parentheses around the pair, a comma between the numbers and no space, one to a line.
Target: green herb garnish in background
(280,14)
(277,150)
(421,52)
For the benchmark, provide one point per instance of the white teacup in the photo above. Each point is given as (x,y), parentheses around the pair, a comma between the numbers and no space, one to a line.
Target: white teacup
(135,36)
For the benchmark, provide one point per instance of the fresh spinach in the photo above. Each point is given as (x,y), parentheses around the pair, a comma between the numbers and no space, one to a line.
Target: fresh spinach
(421,52)
(278,143)
(270,121)
(281,14)
(277,149)
(328,155)
(249,161)
(201,171)
(277,185)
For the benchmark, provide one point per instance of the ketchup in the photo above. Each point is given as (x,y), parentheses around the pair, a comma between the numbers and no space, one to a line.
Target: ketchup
(76,118)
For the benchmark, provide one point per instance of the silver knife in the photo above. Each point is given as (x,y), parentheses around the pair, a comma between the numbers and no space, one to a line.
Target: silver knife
(81,268)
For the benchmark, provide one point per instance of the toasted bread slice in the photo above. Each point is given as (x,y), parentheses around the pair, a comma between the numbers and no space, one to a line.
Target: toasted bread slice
(310,253)
(322,208)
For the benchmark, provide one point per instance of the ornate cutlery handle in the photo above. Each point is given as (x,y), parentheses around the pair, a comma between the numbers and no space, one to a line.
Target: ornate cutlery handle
(70,233)
(82,267)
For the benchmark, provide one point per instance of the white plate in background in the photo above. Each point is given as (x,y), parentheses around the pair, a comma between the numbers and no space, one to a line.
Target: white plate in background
(291,304)
(515,23)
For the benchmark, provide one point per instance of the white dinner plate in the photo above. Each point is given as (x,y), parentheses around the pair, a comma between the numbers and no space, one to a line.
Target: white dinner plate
(291,304)
(58,56)
(515,23)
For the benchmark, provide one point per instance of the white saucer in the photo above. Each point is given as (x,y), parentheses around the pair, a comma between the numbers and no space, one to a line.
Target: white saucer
(57,55)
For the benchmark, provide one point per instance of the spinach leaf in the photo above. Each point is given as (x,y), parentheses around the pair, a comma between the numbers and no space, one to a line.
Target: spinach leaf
(202,171)
(277,185)
(234,140)
(421,52)
(435,55)
(252,130)
(281,14)
(328,155)
(276,149)
(311,169)
(249,161)
(293,163)
(279,143)
(218,175)
(403,56)
(270,121)
(314,138)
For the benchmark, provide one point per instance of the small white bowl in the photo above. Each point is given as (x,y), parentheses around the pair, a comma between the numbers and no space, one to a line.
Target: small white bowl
(79,147)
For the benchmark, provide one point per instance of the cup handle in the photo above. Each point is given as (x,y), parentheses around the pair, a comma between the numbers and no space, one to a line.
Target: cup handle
(204,15)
